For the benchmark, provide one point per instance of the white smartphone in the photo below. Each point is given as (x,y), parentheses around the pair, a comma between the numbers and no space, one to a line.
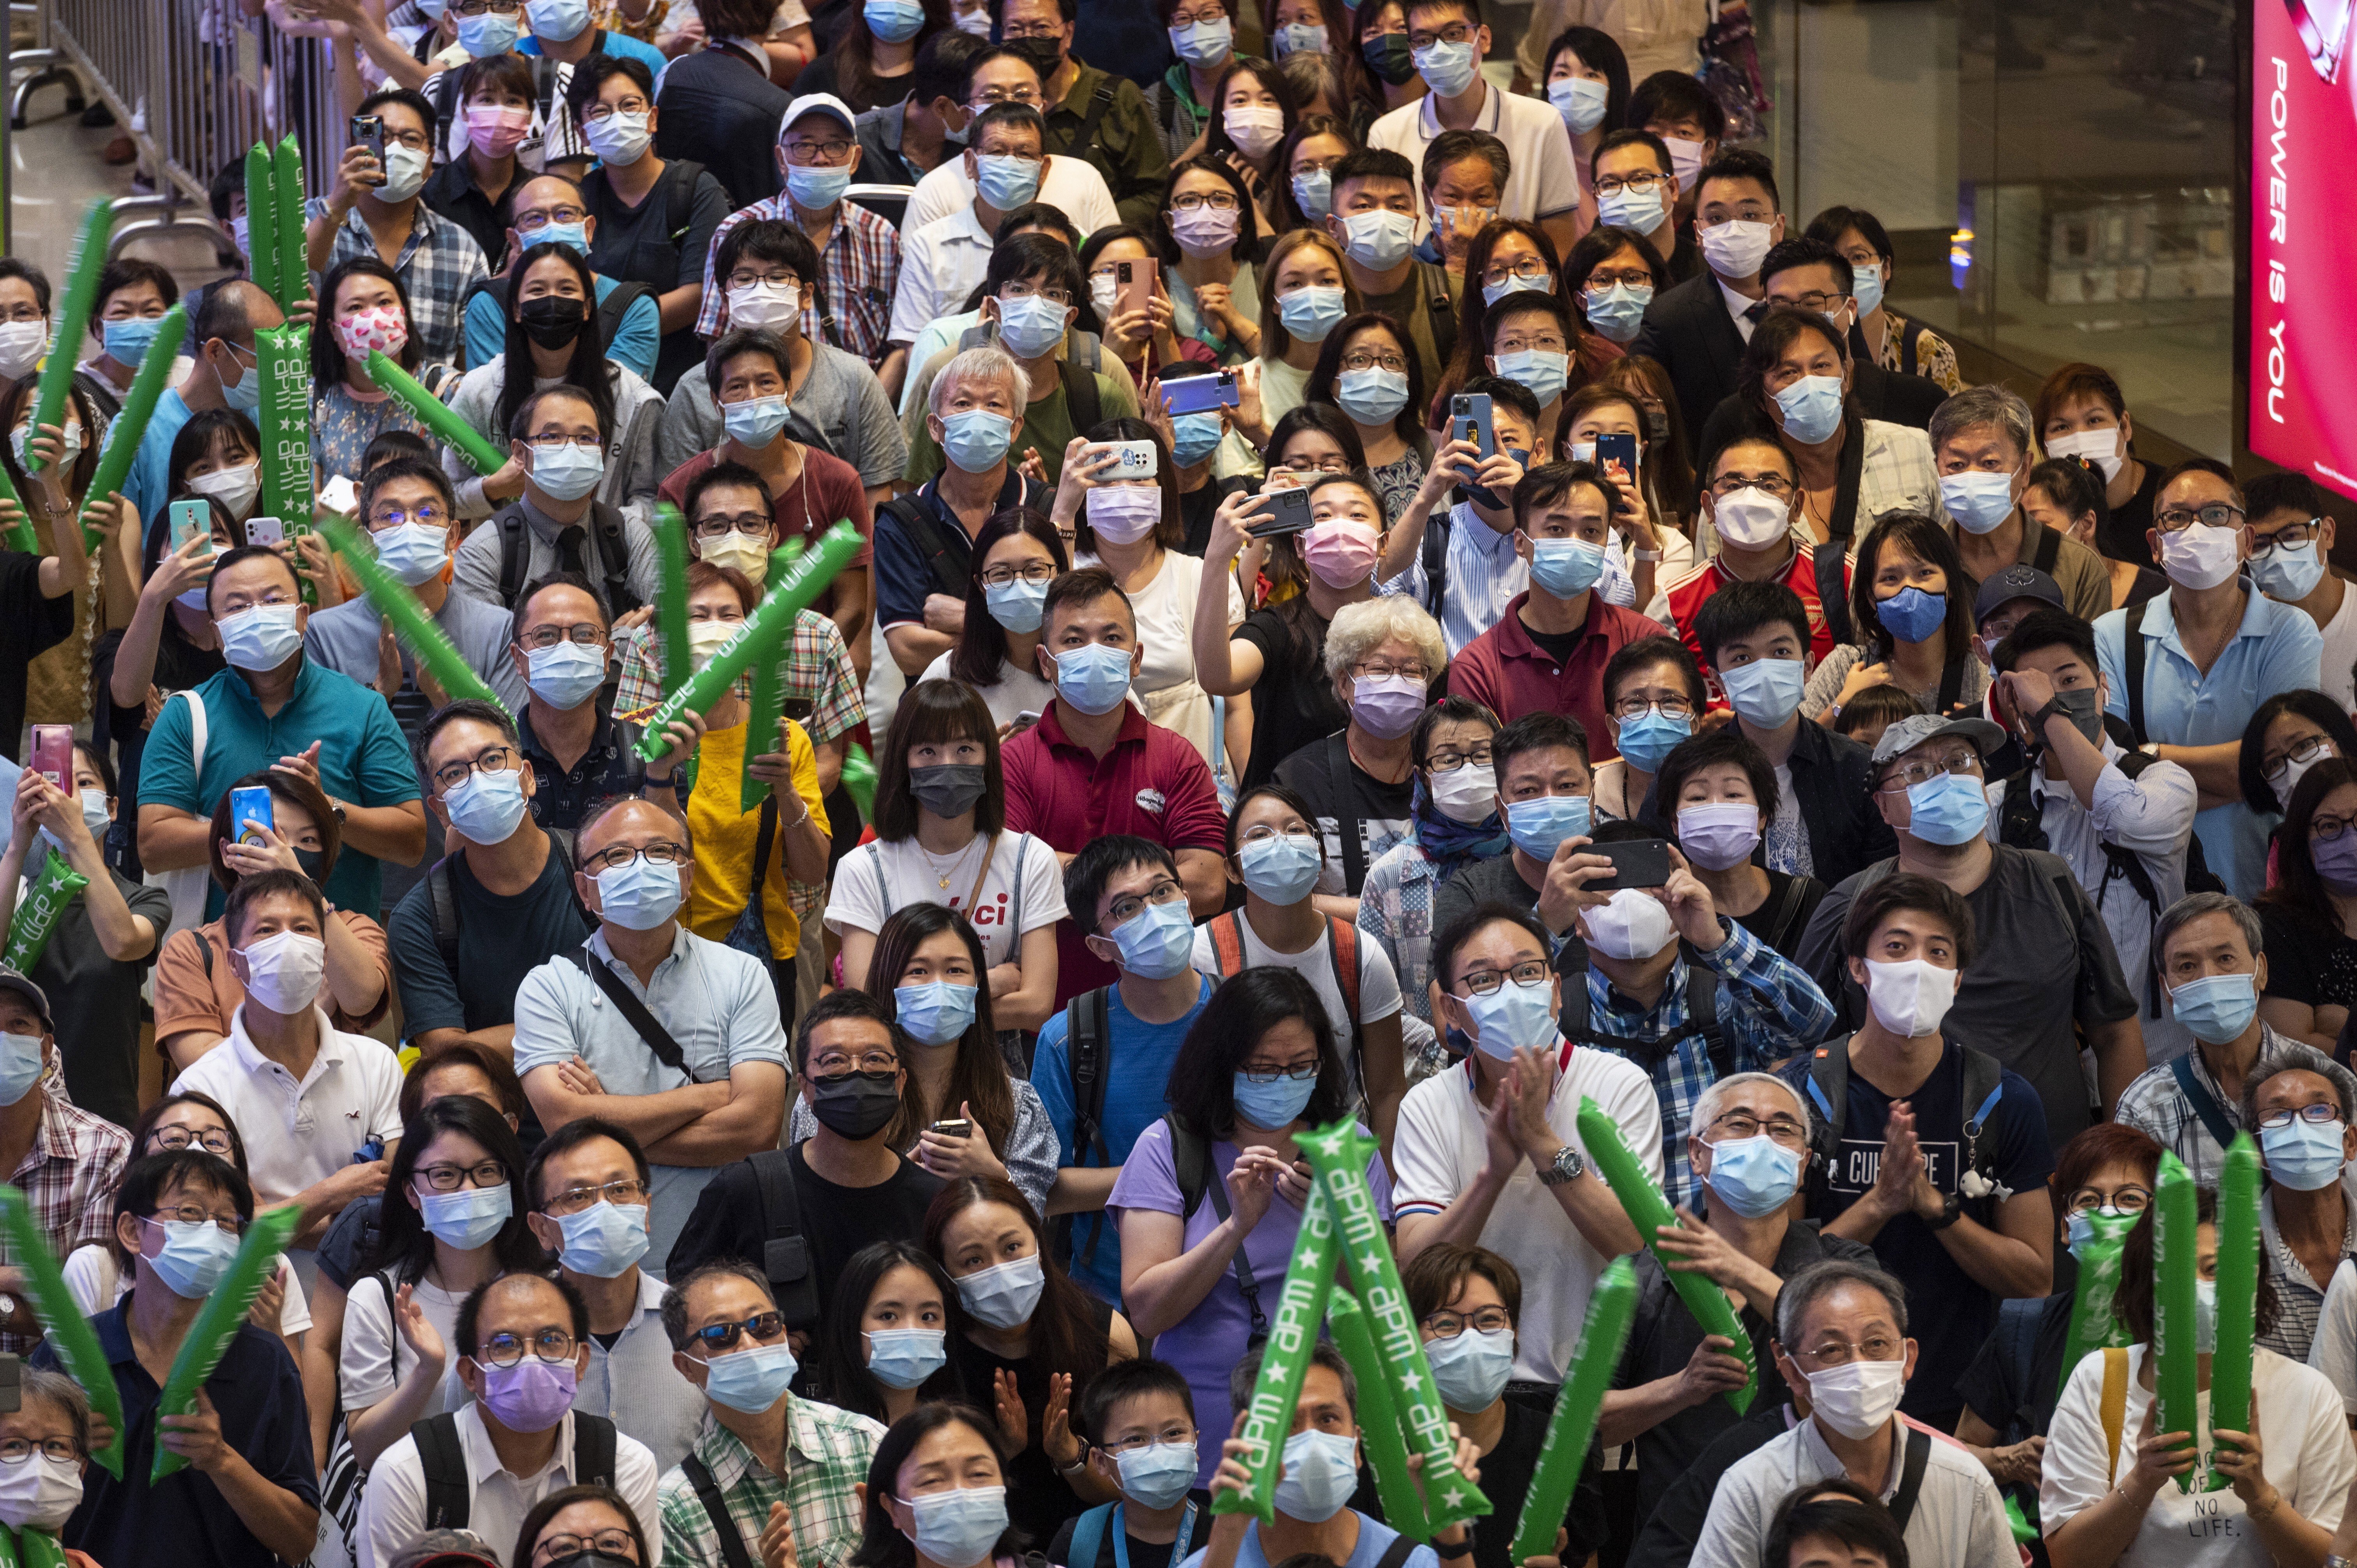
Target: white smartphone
(264,530)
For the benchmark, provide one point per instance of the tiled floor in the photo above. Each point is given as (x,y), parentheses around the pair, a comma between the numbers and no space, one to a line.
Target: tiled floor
(53,167)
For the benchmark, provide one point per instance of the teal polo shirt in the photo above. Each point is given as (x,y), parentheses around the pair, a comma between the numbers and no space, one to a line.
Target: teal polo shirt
(363,759)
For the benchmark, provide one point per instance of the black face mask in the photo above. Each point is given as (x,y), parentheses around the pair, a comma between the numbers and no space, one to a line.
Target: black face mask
(309,860)
(1390,57)
(1045,56)
(855,1104)
(2085,707)
(551,320)
(948,789)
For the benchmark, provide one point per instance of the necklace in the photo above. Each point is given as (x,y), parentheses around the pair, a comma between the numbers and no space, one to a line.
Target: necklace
(932,862)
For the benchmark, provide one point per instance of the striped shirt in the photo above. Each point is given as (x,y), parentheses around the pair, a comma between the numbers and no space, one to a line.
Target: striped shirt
(859,269)
(1483,573)
(827,1451)
(2299,1301)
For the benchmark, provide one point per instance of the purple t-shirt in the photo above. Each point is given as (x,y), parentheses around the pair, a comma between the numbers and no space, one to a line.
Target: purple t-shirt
(1214,1336)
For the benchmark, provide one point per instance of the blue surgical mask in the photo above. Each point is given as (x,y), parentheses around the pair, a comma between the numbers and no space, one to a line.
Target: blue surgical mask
(1978,502)
(127,340)
(195,1259)
(894,21)
(1032,325)
(489,807)
(1765,692)
(1513,1018)
(604,1239)
(1868,289)
(1491,293)
(1372,397)
(1911,615)
(1298,37)
(640,896)
(2305,1156)
(1158,1475)
(1649,737)
(1948,810)
(1446,69)
(1638,210)
(558,21)
(567,472)
(814,189)
(1379,241)
(1757,1176)
(566,675)
(1092,677)
(416,551)
(1812,407)
(469,1218)
(958,1527)
(491,33)
(1543,373)
(2287,571)
(1006,182)
(1321,1471)
(1282,869)
(2205,1317)
(1539,825)
(1159,942)
(1204,43)
(1565,568)
(1310,313)
(1313,192)
(1470,1369)
(1005,1296)
(904,1357)
(753,422)
(1580,102)
(1017,606)
(1193,437)
(20,1066)
(975,439)
(751,1380)
(2216,1008)
(260,640)
(1275,1105)
(244,395)
(1620,311)
(575,235)
(936,1012)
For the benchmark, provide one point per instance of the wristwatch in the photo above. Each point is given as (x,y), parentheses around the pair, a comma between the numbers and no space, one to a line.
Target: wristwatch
(1568,1165)
(2052,710)
(1950,1207)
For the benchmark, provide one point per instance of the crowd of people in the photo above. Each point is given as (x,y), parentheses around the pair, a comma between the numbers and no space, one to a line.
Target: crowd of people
(1389,590)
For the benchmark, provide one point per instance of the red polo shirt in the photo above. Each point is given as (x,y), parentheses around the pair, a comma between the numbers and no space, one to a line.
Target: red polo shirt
(1685,596)
(1153,784)
(1510,674)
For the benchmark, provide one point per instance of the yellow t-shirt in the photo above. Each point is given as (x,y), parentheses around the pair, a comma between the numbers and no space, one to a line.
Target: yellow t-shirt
(724,839)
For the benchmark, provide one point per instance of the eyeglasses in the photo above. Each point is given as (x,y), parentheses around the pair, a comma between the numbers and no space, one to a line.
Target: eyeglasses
(1520,267)
(1016,30)
(739,523)
(1488,1320)
(1668,707)
(1450,761)
(1217,200)
(1031,572)
(745,277)
(991,95)
(2126,1200)
(598,113)
(1182,17)
(608,1542)
(2328,828)
(491,759)
(2320,1113)
(1177,1434)
(1640,182)
(483,8)
(1385,669)
(427,515)
(1961,760)
(16,1450)
(574,1199)
(1823,304)
(621,855)
(1515,343)
(2291,536)
(2215,514)
(1362,360)
(1786,1130)
(1835,1352)
(834,1062)
(2304,749)
(504,1350)
(762,1325)
(1281,1074)
(1027,290)
(582,632)
(1528,974)
(1455,33)
(174,1139)
(1745,213)
(539,217)
(809,153)
(1129,906)
(450,1178)
(556,438)
(1264,833)
(192,1214)
(1775,485)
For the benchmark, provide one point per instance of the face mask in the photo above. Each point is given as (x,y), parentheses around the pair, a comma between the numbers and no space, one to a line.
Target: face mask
(1736,248)
(1310,314)
(2083,707)
(22,343)
(1342,554)
(1581,103)
(1715,838)
(1158,1475)
(1372,396)
(1470,1371)
(1157,942)
(618,138)
(126,344)
(1633,927)
(1542,373)
(1857,1399)
(469,1218)
(755,422)
(1017,606)
(1757,1176)
(1909,998)
(568,472)
(1093,678)
(1565,568)
(566,675)
(1491,293)
(1765,692)
(1321,1471)
(639,897)
(957,1528)
(1300,37)
(2205,1317)
(1283,869)
(2306,1155)
(552,321)
(855,1104)
(1649,737)
(1618,313)
(2085,1225)
(2200,556)
(20,1066)
(815,190)
(377,327)
(1446,69)
(1045,56)
(751,1380)
(243,394)
(1193,437)
(404,175)
(894,22)
(40,1494)
(1273,1106)
(1378,241)
(94,816)
(1750,518)
(1005,181)
(973,23)
(2288,572)
(949,789)
(1948,810)
(1867,289)
(531,1396)
(1467,793)
(1911,615)
(604,1239)
(1255,128)
(575,236)
(489,807)
(1978,502)
(1104,293)
(745,553)
(1812,407)
(2217,1007)
(1206,230)
(904,1357)
(284,971)
(1640,210)
(975,439)
(1538,826)
(1390,55)
(1513,1018)
(1003,1296)
(765,306)
(706,638)
(1388,708)
(1031,327)
(495,129)
(2294,771)
(416,551)
(2336,862)
(1203,44)
(2103,449)
(557,21)
(233,488)
(1313,192)
(195,1259)
(937,1013)
(1685,160)
(239,232)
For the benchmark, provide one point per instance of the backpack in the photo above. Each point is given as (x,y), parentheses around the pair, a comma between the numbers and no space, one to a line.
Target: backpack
(1829,1092)
(785,1257)
(604,541)
(444,905)
(1227,932)
(1088,1045)
(1702,1018)
(915,515)
(451,1497)
(674,187)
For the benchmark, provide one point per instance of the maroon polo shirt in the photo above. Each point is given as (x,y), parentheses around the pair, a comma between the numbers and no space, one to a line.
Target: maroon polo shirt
(1510,674)
(1152,784)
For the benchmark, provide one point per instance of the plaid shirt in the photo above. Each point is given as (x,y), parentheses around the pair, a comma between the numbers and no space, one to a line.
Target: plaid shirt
(67,1179)
(1768,1008)
(816,669)
(827,1451)
(440,262)
(2300,1304)
(860,268)
(2156,1106)
(1395,911)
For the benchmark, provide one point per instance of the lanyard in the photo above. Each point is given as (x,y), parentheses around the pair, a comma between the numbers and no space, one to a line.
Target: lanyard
(1178,1547)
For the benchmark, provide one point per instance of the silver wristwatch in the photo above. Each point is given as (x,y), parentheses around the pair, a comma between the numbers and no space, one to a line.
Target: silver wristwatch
(1568,1165)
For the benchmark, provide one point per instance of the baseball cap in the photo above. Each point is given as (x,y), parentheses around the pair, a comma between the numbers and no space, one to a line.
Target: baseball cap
(818,103)
(2019,581)
(12,980)
(1916,728)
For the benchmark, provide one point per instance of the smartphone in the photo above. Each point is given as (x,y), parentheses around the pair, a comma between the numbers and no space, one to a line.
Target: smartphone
(340,494)
(268,530)
(1200,394)
(1469,420)
(368,131)
(191,520)
(53,755)
(1620,449)
(251,804)
(1138,460)
(1288,512)
(1636,863)
(1133,285)
(955,1127)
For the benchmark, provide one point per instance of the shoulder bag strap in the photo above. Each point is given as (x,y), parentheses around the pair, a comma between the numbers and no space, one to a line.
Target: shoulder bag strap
(1910,1477)
(2048,550)
(593,1449)
(1849,477)
(1247,1285)
(2205,1104)
(1396,1554)
(449,1499)
(2132,657)
(1354,848)
(1951,683)
(1833,590)
(1788,904)
(973,899)
(633,1011)
(1086,139)
(715,1508)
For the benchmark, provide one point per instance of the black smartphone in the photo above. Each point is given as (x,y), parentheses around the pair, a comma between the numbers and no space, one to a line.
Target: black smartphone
(1288,512)
(1469,420)
(1636,863)
(368,131)
(1620,449)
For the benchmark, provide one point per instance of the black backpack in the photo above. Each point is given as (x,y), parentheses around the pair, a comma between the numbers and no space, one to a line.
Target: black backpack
(451,1497)
(785,1254)
(1702,1018)
(604,541)
(1828,1093)
(443,905)
(1088,1043)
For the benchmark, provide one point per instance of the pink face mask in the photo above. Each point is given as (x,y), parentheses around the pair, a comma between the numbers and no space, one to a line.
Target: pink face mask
(1342,552)
(497,130)
(379,327)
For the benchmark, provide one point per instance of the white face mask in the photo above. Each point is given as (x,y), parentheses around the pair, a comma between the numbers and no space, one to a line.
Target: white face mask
(22,343)
(233,488)
(1910,998)
(1467,793)
(284,971)
(1633,927)
(40,1494)
(1857,1399)
(2102,447)
(2200,556)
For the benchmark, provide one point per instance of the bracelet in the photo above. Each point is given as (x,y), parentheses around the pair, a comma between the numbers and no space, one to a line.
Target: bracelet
(1644,554)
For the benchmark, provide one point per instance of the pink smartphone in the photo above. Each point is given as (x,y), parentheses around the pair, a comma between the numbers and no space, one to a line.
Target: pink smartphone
(53,754)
